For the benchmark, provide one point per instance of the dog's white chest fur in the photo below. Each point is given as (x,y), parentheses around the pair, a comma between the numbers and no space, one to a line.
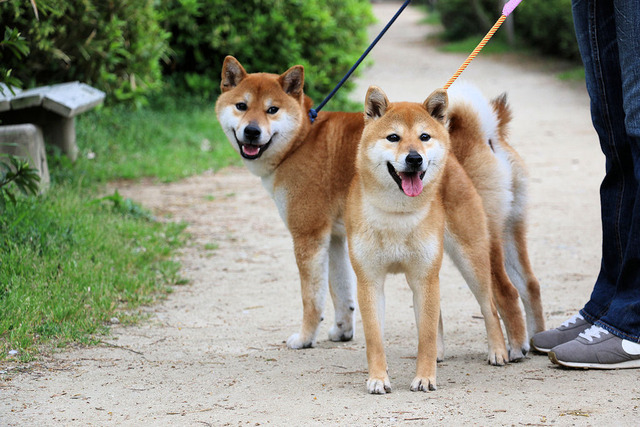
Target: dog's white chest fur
(390,240)
(278,194)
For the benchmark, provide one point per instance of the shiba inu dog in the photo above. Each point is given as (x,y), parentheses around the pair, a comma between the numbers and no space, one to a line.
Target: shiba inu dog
(478,131)
(307,168)
(395,223)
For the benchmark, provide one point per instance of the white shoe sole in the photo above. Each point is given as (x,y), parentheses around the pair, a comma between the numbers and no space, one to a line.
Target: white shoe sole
(538,349)
(629,364)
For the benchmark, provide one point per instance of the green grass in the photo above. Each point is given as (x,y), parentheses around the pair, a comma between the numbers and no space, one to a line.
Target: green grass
(69,263)
(496,45)
(71,260)
(167,143)
(431,17)
(572,75)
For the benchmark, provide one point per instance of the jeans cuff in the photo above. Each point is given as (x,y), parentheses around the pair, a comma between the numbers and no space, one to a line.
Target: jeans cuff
(617,332)
(589,318)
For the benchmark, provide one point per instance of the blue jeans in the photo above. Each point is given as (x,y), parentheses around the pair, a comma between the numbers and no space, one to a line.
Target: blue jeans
(608,33)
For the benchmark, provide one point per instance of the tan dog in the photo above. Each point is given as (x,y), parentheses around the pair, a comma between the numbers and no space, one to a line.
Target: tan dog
(478,132)
(396,224)
(307,168)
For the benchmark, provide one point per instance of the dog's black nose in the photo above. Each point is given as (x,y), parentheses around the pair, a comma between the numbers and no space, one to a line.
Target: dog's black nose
(251,133)
(413,159)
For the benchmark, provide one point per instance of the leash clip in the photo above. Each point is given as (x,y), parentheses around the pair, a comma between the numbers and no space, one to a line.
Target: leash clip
(312,115)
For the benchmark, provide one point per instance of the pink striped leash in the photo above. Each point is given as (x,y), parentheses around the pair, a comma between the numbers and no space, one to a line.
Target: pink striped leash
(506,11)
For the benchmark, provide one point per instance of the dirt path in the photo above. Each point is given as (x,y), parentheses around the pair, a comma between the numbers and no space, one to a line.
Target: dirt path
(213,353)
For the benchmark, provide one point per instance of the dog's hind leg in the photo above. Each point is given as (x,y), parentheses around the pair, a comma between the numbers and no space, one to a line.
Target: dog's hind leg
(312,257)
(470,253)
(517,261)
(440,339)
(342,284)
(507,301)
(521,274)
(467,242)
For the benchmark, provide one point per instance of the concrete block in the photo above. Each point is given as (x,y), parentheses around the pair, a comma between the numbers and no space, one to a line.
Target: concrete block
(52,108)
(59,131)
(6,96)
(29,98)
(71,99)
(25,140)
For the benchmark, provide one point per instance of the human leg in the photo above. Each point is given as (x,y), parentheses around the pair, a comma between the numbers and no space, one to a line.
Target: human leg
(622,317)
(596,33)
(613,341)
(595,28)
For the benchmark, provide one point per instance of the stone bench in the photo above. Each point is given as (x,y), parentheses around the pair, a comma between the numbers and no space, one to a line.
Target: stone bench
(26,141)
(51,108)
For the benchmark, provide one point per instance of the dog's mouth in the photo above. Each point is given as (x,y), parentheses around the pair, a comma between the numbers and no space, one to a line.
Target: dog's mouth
(252,151)
(410,182)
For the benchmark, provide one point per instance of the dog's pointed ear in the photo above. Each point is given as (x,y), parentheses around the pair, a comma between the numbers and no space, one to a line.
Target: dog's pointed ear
(436,104)
(375,103)
(232,74)
(292,81)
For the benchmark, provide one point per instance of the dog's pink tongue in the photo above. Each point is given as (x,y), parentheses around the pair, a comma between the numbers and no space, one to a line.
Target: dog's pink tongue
(250,150)
(411,183)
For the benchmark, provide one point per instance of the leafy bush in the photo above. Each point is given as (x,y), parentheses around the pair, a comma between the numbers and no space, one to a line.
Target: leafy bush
(114,45)
(13,45)
(464,18)
(326,36)
(16,172)
(547,25)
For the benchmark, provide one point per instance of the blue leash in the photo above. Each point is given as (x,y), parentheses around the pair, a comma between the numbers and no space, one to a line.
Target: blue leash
(313,113)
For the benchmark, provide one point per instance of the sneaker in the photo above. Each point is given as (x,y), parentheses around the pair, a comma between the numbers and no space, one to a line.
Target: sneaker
(597,348)
(568,331)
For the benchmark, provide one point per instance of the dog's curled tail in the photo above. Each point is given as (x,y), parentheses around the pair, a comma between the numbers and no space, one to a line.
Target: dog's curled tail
(466,95)
(503,115)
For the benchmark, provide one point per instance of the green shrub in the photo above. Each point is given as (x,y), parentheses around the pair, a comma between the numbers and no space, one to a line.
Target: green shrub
(547,25)
(326,36)
(15,173)
(114,45)
(13,45)
(464,18)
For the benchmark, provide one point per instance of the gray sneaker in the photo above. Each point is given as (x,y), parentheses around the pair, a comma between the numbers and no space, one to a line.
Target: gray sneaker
(544,341)
(599,349)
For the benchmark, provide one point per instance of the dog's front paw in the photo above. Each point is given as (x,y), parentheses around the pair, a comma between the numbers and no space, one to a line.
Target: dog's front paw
(296,342)
(498,354)
(341,332)
(423,384)
(497,358)
(378,385)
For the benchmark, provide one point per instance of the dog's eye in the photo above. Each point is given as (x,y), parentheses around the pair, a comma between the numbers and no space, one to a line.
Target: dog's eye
(241,106)
(272,110)
(393,138)
(425,137)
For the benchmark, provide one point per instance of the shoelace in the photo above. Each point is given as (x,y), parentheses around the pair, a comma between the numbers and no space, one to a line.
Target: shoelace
(573,320)
(593,332)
